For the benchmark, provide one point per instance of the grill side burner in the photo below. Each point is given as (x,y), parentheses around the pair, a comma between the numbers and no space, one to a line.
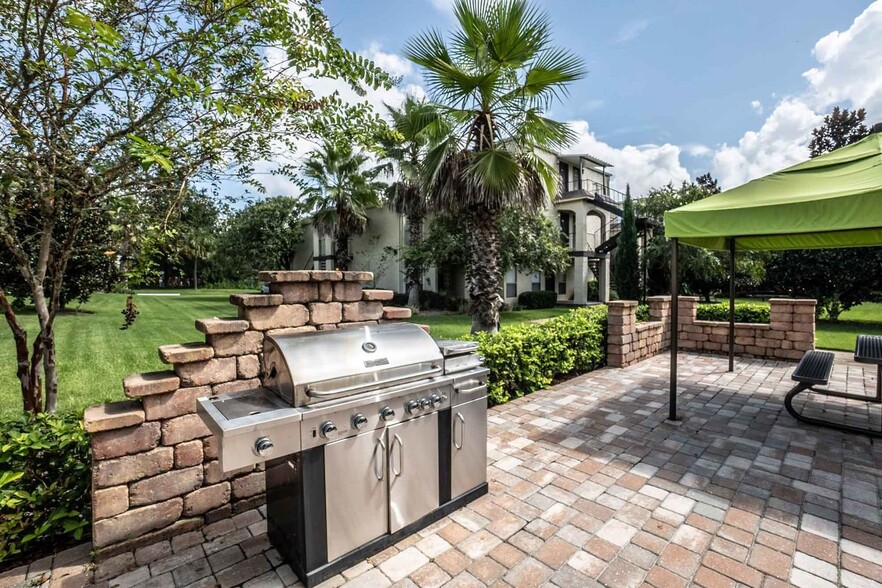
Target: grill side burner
(376,432)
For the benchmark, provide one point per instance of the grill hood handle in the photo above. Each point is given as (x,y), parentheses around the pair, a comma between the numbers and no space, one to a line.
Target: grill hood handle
(339,392)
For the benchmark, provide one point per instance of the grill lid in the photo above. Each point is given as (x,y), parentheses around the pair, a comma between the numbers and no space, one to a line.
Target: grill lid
(312,367)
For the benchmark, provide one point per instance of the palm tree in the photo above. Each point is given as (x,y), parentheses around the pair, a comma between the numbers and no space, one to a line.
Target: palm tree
(418,126)
(496,78)
(340,188)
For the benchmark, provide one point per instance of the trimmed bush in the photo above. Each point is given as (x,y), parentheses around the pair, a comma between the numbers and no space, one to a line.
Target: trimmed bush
(530,357)
(643,313)
(45,484)
(541,299)
(430,300)
(745,312)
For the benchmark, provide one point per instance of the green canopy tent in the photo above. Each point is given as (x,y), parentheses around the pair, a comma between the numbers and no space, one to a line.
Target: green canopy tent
(831,201)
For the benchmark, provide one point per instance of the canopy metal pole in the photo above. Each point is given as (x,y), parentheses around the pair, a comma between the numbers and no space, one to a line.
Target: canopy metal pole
(675,325)
(732,304)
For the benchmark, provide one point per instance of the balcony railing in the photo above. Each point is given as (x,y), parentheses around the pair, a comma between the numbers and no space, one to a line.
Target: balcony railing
(596,189)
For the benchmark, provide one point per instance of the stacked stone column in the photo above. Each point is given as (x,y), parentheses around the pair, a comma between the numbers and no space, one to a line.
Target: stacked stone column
(621,331)
(630,341)
(155,472)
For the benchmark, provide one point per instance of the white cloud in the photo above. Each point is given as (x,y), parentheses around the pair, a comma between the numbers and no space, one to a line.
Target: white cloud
(395,65)
(850,64)
(756,106)
(698,150)
(641,166)
(847,74)
(631,30)
(780,142)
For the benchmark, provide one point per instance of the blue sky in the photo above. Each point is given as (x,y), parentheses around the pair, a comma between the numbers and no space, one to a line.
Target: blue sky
(678,87)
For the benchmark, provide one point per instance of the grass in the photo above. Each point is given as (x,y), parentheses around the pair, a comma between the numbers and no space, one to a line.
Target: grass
(94,354)
(456,326)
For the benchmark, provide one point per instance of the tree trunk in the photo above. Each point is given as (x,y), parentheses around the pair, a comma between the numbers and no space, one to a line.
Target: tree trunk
(484,273)
(44,346)
(49,368)
(341,252)
(22,357)
(414,274)
(195,272)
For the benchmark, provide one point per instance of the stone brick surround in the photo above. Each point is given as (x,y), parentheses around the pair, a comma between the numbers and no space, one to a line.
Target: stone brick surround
(155,473)
(788,335)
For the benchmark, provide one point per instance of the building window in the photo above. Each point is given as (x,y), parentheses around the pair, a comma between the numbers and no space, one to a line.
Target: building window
(536,282)
(511,284)
(564,177)
(562,284)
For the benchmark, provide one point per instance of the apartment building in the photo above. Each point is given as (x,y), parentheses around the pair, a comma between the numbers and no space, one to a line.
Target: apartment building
(586,208)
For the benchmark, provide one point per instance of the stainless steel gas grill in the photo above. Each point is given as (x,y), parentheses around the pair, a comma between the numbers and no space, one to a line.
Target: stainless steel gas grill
(369,434)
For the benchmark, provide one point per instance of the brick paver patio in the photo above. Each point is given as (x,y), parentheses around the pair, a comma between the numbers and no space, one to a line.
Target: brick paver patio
(590,485)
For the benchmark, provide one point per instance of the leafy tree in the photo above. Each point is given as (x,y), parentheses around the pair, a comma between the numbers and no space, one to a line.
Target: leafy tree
(840,128)
(495,77)
(703,272)
(419,126)
(340,189)
(198,232)
(104,101)
(837,278)
(627,254)
(264,234)
(527,242)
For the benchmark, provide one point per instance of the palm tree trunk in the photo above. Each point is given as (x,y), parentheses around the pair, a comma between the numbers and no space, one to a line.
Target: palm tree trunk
(414,273)
(484,273)
(341,251)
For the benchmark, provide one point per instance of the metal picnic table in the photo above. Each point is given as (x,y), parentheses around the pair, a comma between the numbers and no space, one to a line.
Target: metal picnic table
(814,370)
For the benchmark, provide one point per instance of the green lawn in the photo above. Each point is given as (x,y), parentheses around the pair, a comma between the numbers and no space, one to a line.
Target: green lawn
(454,326)
(94,354)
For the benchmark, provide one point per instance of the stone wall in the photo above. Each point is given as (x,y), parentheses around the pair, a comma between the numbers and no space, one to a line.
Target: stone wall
(788,335)
(155,472)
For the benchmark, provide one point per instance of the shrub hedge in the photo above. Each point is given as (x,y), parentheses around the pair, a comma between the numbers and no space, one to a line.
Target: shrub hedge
(530,357)
(745,312)
(430,300)
(45,484)
(642,313)
(541,299)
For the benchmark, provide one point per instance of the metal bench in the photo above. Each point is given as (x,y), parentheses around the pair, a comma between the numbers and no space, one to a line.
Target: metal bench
(814,370)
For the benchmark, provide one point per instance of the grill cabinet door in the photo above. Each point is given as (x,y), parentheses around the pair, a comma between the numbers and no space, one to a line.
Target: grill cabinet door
(468,451)
(355,482)
(413,470)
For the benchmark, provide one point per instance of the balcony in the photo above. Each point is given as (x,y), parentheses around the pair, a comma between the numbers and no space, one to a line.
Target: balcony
(590,188)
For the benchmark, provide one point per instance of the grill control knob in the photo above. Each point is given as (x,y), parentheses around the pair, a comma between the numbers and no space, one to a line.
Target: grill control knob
(437,400)
(412,406)
(424,403)
(328,430)
(387,414)
(359,421)
(263,447)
